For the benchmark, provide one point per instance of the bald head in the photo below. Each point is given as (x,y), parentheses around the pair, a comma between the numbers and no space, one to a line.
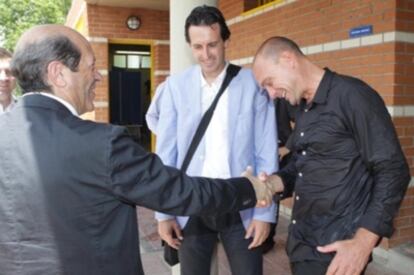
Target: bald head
(41,45)
(39,33)
(274,46)
(284,71)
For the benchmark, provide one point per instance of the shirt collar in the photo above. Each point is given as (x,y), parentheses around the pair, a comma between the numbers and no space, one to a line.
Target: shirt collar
(324,87)
(12,103)
(64,102)
(322,92)
(217,82)
(9,107)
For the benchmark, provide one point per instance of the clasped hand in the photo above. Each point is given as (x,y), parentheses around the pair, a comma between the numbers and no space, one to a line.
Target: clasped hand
(262,187)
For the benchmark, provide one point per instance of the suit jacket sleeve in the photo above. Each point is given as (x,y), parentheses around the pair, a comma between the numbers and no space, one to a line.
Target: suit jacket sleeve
(140,178)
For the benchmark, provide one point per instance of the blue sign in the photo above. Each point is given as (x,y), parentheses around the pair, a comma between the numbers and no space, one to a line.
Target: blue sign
(361,31)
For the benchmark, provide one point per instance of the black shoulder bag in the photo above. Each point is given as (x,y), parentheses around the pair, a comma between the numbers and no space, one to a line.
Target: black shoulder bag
(170,253)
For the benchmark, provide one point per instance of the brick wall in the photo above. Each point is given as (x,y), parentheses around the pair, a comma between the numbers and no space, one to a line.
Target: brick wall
(103,24)
(109,22)
(404,222)
(308,23)
(162,57)
(231,8)
(318,25)
(161,62)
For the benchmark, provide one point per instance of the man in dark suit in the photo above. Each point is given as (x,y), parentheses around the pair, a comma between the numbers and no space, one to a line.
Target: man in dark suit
(68,187)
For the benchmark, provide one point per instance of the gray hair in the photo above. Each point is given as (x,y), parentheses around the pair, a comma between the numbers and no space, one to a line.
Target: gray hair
(4,53)
(30,62)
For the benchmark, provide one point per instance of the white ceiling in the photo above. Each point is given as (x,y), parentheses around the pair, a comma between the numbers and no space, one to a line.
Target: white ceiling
(147,4)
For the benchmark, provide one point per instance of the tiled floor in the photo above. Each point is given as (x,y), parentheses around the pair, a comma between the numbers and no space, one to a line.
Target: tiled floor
(275,262)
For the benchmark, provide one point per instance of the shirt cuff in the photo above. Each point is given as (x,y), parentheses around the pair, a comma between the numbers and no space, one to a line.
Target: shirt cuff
(163,217)
(246,197)
(287,187)
(267,214)
(376,226)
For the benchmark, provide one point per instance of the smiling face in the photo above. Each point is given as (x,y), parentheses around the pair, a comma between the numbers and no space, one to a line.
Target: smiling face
(208,48)
(7,80)
(84,81)
(279,78)
(81,84)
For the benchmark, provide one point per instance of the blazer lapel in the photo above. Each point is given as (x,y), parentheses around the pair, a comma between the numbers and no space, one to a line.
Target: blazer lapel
(194,111)
(234,100)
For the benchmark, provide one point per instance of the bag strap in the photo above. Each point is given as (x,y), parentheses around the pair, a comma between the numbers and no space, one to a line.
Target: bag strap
(231,72)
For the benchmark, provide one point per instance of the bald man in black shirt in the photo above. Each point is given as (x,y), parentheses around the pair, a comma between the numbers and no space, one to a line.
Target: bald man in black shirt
(348,171)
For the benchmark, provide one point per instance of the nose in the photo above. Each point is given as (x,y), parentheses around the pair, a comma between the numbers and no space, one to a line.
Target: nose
(273,94)
(98,76)
(205,53)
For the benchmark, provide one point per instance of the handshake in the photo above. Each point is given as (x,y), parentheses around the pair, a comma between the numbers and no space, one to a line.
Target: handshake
(264,185)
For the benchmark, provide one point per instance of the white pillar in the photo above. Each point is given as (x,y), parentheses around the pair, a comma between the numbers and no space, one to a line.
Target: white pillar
(181,58)
(180,53)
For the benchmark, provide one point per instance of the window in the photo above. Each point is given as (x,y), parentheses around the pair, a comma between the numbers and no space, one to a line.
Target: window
(119,61)
(252,4)
(264,2)
(132,59)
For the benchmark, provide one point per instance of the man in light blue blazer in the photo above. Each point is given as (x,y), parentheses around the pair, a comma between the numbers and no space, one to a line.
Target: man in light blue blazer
(153,112)
(241,133)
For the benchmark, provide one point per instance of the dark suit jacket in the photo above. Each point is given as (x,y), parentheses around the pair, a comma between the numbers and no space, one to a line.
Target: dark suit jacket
(68,190)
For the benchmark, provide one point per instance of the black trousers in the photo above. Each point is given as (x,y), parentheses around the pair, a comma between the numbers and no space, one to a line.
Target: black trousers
(200,237)
(312,268)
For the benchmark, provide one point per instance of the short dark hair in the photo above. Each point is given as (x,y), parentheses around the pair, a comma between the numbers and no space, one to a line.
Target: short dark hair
(4,53)
(273,46)
(29,63)
(207,16)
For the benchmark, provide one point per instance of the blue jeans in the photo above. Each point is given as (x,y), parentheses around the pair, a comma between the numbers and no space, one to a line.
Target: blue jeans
(200,239)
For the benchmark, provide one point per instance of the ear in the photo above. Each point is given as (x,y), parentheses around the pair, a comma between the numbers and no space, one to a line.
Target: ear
(56,75)
(226,43)
(288,58)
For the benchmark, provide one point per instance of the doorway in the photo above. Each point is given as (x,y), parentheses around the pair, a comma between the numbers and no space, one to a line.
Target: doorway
(129,89)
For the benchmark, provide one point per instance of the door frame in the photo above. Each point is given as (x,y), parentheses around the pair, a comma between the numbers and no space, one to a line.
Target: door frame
(144,42)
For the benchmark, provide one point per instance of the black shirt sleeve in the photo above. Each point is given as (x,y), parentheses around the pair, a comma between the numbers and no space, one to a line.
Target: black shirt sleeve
(376,138)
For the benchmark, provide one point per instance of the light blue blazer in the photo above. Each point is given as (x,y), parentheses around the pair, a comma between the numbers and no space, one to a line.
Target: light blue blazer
(252,135)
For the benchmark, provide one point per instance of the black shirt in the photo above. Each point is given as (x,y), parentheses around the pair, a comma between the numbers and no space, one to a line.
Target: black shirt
(348,169)
(285,114)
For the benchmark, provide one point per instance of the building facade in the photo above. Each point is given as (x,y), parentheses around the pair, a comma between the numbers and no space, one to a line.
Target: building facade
(372,40)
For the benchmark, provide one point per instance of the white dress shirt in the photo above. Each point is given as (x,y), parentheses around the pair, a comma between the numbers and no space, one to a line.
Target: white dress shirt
(216,158)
